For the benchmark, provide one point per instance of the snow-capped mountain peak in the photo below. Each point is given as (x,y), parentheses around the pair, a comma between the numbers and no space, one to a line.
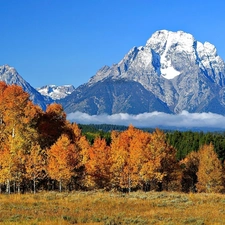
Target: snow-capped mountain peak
(166,44)
(164,39)
(178,70)
(9,75)
(160,50)
(56,92)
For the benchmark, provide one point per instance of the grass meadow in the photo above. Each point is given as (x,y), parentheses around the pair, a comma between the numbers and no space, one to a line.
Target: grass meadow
(112,208)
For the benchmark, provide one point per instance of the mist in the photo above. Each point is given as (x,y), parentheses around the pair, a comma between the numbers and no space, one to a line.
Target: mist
(155,119)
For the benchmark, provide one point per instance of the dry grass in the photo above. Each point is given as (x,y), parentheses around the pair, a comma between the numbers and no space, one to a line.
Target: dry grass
(164,208)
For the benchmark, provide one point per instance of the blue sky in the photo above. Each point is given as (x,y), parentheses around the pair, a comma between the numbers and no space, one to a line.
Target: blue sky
(67,41)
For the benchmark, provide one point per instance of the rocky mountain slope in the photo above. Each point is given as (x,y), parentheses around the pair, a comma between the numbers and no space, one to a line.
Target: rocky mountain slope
(171,73)
(10,76)
(113,96)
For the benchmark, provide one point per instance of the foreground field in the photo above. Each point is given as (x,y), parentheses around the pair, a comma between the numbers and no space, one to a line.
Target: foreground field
(112,208)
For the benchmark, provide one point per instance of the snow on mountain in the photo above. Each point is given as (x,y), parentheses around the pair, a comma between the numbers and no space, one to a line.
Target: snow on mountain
(9,75)
(160,55)
(180,71)
(56,92)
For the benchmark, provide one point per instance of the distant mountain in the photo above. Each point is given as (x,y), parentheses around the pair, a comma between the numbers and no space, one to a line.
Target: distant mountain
(56,92)
(10,76)
(171,73)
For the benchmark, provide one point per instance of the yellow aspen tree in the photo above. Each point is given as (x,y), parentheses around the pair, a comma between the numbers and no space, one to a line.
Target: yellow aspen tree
(18,154)
(81,148)
(99,163)
(151,170)
(12,164)
(14,103)
(210,175)
(121,168)
(6,164)
(126,151)
(3,135)
(17,127)
(159,167)
(59,162)
(35,165)
(78,139)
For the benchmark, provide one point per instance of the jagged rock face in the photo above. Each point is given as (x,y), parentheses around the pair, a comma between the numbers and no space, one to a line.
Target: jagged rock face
(118,96)
(56,92)
(178,70)
(10,76)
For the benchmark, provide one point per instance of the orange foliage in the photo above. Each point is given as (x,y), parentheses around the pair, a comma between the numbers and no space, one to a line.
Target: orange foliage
(99,163)
(189,175)
(61,160)
(35,165)
(159,164)
(210,176)
(51,125)
(127,151)
(6,164)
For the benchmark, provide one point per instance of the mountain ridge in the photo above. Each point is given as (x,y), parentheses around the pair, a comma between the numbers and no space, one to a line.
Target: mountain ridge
(10,76)
(172,72)
(56,92)
(180,71)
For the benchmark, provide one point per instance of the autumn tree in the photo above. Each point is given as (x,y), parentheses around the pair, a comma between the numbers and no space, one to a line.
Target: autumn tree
(12,163)
(35,165)
(210,171)
(99,164)
(6,164)
(151,171)
(17,127)
(3,135)
(13,103)
(51,125)
(189,167)
(81,148)
(126,150)
(18,153)
(60,166)
(159,168)
(18,115)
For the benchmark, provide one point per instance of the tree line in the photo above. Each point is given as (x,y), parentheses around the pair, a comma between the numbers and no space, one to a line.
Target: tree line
(41,150)
(184,141)
(188,141)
